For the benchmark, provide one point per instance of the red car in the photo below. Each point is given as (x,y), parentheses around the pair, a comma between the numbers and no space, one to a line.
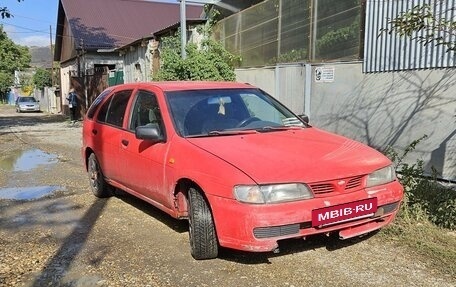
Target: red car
(239,166)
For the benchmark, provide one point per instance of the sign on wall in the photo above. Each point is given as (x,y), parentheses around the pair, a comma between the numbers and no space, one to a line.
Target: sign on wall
(324,74)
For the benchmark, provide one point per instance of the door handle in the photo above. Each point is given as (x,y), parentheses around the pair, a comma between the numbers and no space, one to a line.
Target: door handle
(125,142)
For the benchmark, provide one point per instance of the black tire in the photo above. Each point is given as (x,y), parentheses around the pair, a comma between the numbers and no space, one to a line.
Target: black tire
(203,238)
(99,186)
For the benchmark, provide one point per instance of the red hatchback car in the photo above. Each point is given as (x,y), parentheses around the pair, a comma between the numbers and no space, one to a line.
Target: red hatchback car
(239,166)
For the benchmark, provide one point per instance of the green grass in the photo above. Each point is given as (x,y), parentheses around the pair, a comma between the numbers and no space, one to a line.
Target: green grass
(426,223)
(435,246)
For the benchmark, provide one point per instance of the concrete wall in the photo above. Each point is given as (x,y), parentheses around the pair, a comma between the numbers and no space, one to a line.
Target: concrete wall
(285,83)
(50,100)
(381,109)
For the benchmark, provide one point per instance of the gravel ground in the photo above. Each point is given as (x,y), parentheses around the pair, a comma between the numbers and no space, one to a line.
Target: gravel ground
(70,238)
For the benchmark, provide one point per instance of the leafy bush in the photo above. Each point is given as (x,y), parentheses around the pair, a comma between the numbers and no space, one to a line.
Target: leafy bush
(339,39)
(210,61)
(290,56)
(42,78)
(6,81)
(425,198)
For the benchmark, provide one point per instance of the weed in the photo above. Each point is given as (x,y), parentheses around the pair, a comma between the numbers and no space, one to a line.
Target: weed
(424,197)
(427,216)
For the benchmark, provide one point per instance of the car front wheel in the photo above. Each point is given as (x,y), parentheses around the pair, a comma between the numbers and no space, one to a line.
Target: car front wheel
(99,186)
(203,238)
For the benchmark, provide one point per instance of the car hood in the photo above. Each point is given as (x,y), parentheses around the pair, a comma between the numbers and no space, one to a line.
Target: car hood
(308,155)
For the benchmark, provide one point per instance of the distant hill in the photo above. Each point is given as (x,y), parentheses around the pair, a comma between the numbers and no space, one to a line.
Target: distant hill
(41,57)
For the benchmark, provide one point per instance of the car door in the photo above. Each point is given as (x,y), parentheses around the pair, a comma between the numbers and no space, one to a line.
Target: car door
(144,161)
(106,132)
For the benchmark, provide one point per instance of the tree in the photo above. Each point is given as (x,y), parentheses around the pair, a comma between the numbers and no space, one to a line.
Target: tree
(42,78)
(209,61)
(5,13)
(427,24)
(13,58)
(6,82)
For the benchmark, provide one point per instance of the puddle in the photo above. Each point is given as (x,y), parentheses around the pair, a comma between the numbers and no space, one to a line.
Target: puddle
(27,160)
(28,193)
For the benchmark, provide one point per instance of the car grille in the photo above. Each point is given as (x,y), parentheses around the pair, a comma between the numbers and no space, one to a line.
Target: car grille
(338,185)
(275,231)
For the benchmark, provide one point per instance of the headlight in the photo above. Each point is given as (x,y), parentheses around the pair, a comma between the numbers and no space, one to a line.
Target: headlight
(272,193)
(381,176)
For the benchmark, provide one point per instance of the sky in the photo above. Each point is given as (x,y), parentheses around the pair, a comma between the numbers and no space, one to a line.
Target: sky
(31,21)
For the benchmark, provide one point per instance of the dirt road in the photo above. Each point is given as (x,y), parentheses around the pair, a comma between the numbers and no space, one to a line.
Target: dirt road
(70,238)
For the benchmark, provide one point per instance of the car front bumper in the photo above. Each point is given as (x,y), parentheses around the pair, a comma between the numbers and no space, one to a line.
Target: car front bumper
(258,227)
(29,108)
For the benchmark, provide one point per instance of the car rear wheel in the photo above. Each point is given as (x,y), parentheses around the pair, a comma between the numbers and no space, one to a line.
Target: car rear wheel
(203,238)
(99,186)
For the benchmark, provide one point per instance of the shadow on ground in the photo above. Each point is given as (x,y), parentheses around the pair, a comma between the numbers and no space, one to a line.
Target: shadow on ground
(286,247)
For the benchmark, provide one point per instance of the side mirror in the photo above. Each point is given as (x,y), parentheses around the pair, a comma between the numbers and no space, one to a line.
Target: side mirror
(150,133)
(304,118)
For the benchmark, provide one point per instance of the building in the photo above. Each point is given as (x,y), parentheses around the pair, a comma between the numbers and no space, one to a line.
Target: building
(90,31)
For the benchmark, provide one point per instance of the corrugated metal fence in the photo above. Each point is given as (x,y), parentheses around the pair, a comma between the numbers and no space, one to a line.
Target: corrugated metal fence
(384,52)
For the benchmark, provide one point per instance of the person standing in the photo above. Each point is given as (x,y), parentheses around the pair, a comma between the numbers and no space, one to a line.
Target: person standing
(72,104)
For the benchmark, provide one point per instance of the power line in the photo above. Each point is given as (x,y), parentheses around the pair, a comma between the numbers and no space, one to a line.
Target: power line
(31,18)
(17,26)
(24,32)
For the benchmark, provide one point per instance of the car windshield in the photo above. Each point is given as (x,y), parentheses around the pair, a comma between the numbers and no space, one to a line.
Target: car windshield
(231,111)
(27,100)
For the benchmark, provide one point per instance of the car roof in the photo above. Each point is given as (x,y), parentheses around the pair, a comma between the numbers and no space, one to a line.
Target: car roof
(187,85)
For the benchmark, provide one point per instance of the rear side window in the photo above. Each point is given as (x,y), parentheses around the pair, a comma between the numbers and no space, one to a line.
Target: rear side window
(96,103)
(113,111)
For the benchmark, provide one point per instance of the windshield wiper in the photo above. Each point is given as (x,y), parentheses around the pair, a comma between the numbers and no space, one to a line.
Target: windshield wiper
(223,133)
(231,132)
(278,128)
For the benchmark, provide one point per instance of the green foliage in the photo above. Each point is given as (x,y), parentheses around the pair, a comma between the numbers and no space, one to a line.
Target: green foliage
(6,82)
(339,39)
(425,198)
(213,15)
(5,13)
(292,56)
(42,78)
(423,24)
(210,61)
(13,57)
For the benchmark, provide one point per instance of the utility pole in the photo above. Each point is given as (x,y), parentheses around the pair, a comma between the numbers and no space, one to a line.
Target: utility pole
(183,25)
(52,55)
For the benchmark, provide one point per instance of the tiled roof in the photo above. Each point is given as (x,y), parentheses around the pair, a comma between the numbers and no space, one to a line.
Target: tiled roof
(108,24)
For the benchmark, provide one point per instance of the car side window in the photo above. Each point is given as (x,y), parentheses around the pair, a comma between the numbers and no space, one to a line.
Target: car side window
(96,103)
(113,111)
(146,112)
